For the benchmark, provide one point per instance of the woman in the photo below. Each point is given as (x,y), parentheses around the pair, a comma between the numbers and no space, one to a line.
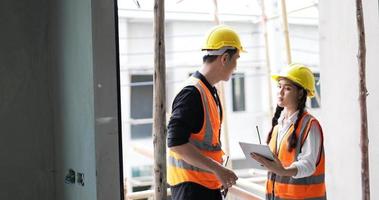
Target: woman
(296,139)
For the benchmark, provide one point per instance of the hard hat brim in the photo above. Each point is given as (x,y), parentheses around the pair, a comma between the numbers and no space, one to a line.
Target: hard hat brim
(239,49)
(276,78)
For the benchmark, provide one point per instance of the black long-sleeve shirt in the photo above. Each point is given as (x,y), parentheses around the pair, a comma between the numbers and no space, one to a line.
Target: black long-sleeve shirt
(187,113)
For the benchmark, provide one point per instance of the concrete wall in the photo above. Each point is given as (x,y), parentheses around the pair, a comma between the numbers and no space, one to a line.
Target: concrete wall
(340,105)
(59,100)
(72,64)
(26,105)
(84,62)
(107,114)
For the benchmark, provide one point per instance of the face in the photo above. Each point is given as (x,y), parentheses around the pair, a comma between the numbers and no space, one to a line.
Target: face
(288,94)
(229,65)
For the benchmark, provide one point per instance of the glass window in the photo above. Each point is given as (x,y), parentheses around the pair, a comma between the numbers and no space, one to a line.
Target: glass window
(238,91)
(141,105)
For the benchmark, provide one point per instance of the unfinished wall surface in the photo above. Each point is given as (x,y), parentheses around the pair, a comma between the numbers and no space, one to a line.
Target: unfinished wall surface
(83,58)
(107,101)
(26,131)
(71,62)
(52,57)
(340,104)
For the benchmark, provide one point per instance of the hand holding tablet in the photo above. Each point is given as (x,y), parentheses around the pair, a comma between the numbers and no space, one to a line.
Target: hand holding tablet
(262,150)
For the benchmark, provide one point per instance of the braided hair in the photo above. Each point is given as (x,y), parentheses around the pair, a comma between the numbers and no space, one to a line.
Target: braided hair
(292,140)
(274,122)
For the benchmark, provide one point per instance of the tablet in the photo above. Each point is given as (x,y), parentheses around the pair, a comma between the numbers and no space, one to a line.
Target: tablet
(263,150)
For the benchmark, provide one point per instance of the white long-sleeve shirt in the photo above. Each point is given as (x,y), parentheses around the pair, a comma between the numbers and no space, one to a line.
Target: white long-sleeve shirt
(306,163)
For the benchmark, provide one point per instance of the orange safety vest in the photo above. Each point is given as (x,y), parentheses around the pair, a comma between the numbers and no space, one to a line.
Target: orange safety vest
(284,187)
(207,141)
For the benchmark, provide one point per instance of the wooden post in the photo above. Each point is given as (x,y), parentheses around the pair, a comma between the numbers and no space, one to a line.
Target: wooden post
(285,31)
(215,12)
(224,125)
(362,99)
(267,53)
(159,112)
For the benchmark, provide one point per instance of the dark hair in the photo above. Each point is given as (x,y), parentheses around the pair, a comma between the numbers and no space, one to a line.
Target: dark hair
(212,58)
(274,122)
(292,140)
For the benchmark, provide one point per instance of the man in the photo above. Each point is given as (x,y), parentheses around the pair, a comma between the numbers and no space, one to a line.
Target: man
(195,169)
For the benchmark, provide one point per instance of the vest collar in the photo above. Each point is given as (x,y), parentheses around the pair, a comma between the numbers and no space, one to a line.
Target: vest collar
(198,75)
(292,119)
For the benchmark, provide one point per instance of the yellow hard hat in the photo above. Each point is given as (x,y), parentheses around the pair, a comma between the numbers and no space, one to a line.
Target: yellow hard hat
(299,74)
(222,36)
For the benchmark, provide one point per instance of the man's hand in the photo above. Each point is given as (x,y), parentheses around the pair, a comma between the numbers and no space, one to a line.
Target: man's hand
(227,177)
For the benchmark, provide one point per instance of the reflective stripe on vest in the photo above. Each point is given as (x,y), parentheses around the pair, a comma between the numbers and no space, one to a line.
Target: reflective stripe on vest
(270,197)
(206,144)
(306,120)
(184,165)
(284,187)
(299,181)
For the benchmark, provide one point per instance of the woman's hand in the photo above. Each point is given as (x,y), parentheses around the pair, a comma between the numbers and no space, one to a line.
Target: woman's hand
(274,166)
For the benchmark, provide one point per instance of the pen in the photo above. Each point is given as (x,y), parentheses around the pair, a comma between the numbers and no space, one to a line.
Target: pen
(258,135)
(226,162)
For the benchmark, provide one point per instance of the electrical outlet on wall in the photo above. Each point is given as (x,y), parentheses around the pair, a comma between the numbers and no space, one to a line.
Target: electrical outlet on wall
(80,178)
(70,177)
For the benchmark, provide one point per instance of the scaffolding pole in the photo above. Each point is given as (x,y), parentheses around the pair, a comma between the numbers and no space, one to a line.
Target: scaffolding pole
(267,54)
(220,87)
(159,112)
(215,12)
(285,31)
(365,176)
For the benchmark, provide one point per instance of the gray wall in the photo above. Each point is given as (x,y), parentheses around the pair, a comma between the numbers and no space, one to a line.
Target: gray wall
(26,130)
(72,63)
(83,55)
(108,139)
(58,100)
(340,105)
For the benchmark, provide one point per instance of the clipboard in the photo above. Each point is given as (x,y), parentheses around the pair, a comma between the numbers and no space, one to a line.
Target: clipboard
(260,149)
